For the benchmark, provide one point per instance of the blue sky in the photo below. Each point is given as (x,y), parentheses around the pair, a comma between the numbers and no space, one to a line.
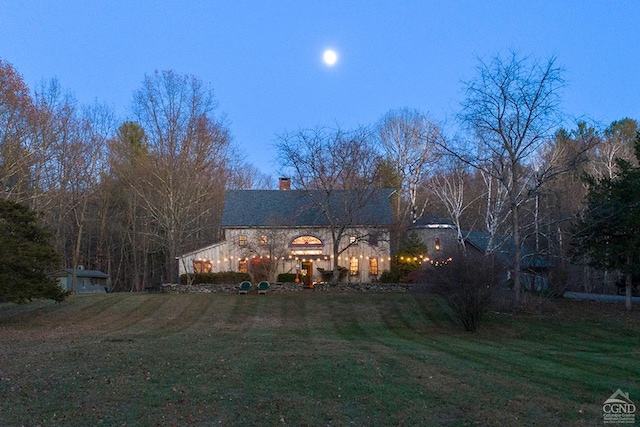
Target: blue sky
(264,58)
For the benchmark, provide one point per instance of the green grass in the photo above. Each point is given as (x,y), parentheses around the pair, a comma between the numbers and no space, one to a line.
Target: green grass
(308,359)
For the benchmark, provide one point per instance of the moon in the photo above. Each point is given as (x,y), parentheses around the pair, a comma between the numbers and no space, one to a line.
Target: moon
(330,57)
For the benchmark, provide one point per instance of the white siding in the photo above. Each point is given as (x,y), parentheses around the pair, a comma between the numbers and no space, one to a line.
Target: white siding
(225,255)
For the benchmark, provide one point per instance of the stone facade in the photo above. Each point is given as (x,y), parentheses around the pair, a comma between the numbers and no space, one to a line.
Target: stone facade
(268,232)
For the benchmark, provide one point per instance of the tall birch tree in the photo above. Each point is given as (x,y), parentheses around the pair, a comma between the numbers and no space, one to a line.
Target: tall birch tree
(512,107)
(408,140)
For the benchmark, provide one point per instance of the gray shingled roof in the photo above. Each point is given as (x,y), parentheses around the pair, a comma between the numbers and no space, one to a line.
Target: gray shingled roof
(431,219)
(505,249)
(80,272)
(297,208)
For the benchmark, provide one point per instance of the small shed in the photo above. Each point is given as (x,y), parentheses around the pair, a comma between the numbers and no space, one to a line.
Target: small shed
(87,281)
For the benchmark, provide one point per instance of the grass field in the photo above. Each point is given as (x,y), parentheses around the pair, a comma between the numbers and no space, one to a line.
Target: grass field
(308,359)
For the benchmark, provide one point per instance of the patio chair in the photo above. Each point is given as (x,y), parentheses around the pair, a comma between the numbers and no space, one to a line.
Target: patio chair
(262,287)
(245,287)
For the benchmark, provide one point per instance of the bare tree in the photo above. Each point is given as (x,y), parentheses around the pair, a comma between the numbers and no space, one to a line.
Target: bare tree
(132,232)
(245,176)
(16,151)
(617,143)
(338,171)
(449,186)
(408,140)
(495,211)
(88,161)
(57,128)
(185,170)
(512,108)
(264,254)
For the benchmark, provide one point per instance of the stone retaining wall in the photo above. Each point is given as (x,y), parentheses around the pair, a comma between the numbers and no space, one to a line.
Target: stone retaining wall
(288,287)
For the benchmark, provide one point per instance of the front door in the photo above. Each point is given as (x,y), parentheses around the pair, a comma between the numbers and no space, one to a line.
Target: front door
(307,273)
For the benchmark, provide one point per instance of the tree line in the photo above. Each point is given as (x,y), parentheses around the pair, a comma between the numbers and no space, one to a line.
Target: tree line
(128,196)
(122,197)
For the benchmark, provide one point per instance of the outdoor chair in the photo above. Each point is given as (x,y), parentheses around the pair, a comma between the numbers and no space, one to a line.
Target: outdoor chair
(262,287)
(245,287)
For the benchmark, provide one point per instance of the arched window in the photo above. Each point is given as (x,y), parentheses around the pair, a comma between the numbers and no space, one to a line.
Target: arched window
(306,241)
(306,245)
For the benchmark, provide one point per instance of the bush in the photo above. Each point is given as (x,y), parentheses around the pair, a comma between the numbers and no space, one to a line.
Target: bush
(327,275)
(388,276)
(466,285)
(558,282)
(221,278)
(286,277)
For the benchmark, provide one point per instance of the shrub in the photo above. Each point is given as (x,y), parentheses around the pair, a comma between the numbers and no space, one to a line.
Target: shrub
(558,282)
(286,277)
(327,275)
(220,278)
(262,269)
(466,285)
(389,276)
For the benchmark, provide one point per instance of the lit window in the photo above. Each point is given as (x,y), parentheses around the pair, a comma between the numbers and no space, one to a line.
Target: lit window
(353,266)
(263,240)
(306,241)
(242,240)
(437,243)
(353,239)
(202,266)
(242,266)
(373,266)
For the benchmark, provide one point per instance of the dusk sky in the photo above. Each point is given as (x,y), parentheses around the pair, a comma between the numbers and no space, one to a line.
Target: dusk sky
(264,59)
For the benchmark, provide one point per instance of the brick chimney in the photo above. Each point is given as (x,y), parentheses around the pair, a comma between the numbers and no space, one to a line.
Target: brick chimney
(285,183)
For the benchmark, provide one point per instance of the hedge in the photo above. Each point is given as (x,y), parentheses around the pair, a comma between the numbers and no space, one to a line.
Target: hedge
(286,277)
(223,277)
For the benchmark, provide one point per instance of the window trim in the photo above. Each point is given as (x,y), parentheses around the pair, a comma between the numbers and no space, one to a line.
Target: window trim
(354,262)
(374,266)
(243,266)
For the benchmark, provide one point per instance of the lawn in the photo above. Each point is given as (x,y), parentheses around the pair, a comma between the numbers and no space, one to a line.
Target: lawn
(309,359)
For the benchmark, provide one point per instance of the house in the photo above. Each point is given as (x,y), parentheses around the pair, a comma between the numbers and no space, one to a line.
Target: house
(87,281)
(535,268)
(441,238)
(268,232)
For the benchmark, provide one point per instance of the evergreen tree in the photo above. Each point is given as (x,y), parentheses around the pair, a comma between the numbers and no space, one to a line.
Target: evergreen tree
(26,256)
(608,234)
(408,259)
